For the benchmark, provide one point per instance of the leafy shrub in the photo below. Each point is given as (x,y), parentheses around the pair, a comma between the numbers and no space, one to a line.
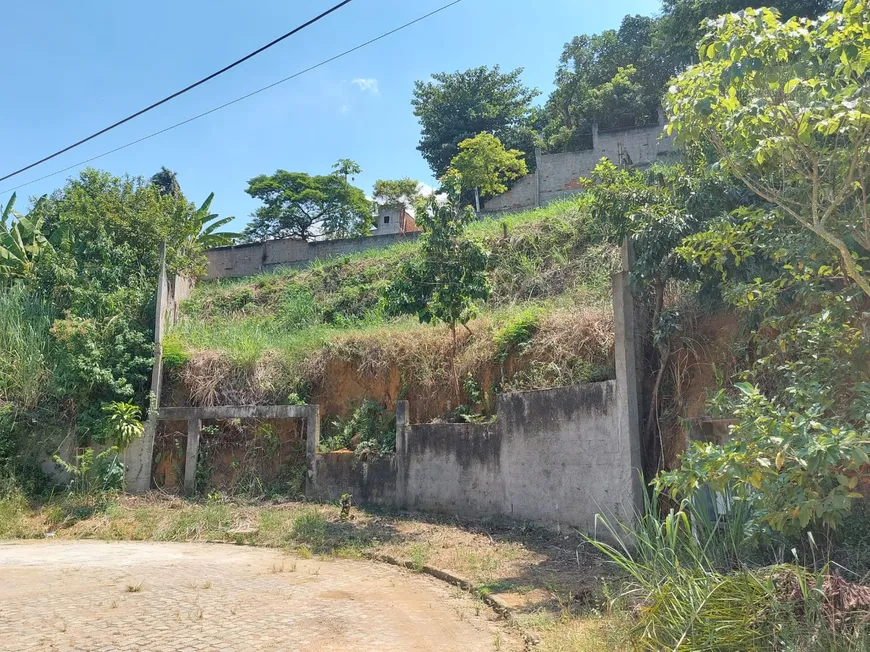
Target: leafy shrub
(370,428)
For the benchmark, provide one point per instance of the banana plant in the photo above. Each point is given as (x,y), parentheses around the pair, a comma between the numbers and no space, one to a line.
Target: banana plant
(204,227)
(21,242)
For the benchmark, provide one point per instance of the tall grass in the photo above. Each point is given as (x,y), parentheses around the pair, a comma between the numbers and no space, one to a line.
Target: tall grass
(692,588)
(26,366)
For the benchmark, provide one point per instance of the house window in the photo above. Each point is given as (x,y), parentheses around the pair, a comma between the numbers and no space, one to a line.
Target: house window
(386,219)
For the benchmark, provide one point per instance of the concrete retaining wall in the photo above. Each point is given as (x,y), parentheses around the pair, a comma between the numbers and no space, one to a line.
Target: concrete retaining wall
(551,457)
(250,259)
(557,175)
(557,456)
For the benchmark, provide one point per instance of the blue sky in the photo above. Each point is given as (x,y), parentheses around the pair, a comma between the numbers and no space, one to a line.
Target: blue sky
(71,68)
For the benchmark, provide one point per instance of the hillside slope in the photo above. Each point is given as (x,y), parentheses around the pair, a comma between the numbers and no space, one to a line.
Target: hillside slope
(324,333)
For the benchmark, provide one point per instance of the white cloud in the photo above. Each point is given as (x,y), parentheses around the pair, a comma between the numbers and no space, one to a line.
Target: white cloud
(344,109)
(369,85)
(425,189)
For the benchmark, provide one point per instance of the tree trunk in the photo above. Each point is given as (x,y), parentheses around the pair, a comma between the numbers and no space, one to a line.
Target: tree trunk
(477,200)
(664,351)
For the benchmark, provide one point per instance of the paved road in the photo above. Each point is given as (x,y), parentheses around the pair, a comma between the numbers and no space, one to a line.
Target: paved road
(89,595)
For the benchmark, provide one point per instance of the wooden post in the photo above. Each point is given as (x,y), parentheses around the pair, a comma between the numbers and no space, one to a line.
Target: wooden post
(194,428)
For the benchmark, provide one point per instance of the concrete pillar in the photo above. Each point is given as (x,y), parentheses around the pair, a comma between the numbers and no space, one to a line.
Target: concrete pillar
(194,429)
(403,419)
(138,456)
(312,443)
(594,135)
(627,394)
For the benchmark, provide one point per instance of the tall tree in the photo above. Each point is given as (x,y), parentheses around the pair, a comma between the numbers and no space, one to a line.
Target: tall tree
(683,22)
(456,106)
(307,207)
(614,79)
(167,182)
(484,165)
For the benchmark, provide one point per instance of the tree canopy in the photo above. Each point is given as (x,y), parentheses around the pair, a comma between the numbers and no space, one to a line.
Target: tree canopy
(484,165)
(784,104)
(453,107)
(398,192)
(303,206)
(617,78)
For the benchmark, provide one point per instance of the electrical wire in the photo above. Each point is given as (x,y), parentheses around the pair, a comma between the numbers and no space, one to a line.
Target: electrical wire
(166,99)
(239,99)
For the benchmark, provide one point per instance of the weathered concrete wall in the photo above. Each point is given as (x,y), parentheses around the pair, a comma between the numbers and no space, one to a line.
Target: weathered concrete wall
(250,259)
(557,175)
(557,456)
(551,457)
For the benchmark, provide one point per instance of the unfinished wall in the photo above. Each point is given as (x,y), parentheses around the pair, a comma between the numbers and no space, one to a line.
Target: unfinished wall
(557,175)
(551,456)
(556,456)
(250,259)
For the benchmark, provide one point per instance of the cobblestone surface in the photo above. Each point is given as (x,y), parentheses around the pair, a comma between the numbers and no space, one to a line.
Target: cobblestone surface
(89,595)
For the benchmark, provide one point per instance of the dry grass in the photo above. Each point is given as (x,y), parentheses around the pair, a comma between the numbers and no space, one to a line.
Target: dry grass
(570,345)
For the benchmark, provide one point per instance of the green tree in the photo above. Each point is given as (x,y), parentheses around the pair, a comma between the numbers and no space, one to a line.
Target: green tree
(167,181)
(400,192)
(202,229)
(785,105)
(346,167)
(484,165)
(683,22)
(456,106)
(447,282)
(306,207)
(613,79)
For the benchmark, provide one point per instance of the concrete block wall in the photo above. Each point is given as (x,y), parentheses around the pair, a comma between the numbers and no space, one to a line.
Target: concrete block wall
(557,175)
(250,259)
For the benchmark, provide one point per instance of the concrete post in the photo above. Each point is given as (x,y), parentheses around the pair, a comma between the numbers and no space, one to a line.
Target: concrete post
(403,419)
(594,135)
(138,456)
(627,395)
(312,444)
(538,157)
(194,429)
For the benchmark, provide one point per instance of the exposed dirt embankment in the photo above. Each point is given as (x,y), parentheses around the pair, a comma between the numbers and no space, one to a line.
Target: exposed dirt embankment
(563,347)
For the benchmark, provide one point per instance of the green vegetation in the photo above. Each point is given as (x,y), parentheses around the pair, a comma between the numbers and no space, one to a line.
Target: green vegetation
(77,284)
(303,206)
(484,165)
(289,325)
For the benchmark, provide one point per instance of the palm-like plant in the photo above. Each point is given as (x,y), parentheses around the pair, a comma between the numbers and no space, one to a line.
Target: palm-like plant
(205,227)
(21,242)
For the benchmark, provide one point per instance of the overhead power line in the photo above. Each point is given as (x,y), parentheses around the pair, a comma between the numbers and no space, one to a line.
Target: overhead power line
(238,99)
(182,91)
